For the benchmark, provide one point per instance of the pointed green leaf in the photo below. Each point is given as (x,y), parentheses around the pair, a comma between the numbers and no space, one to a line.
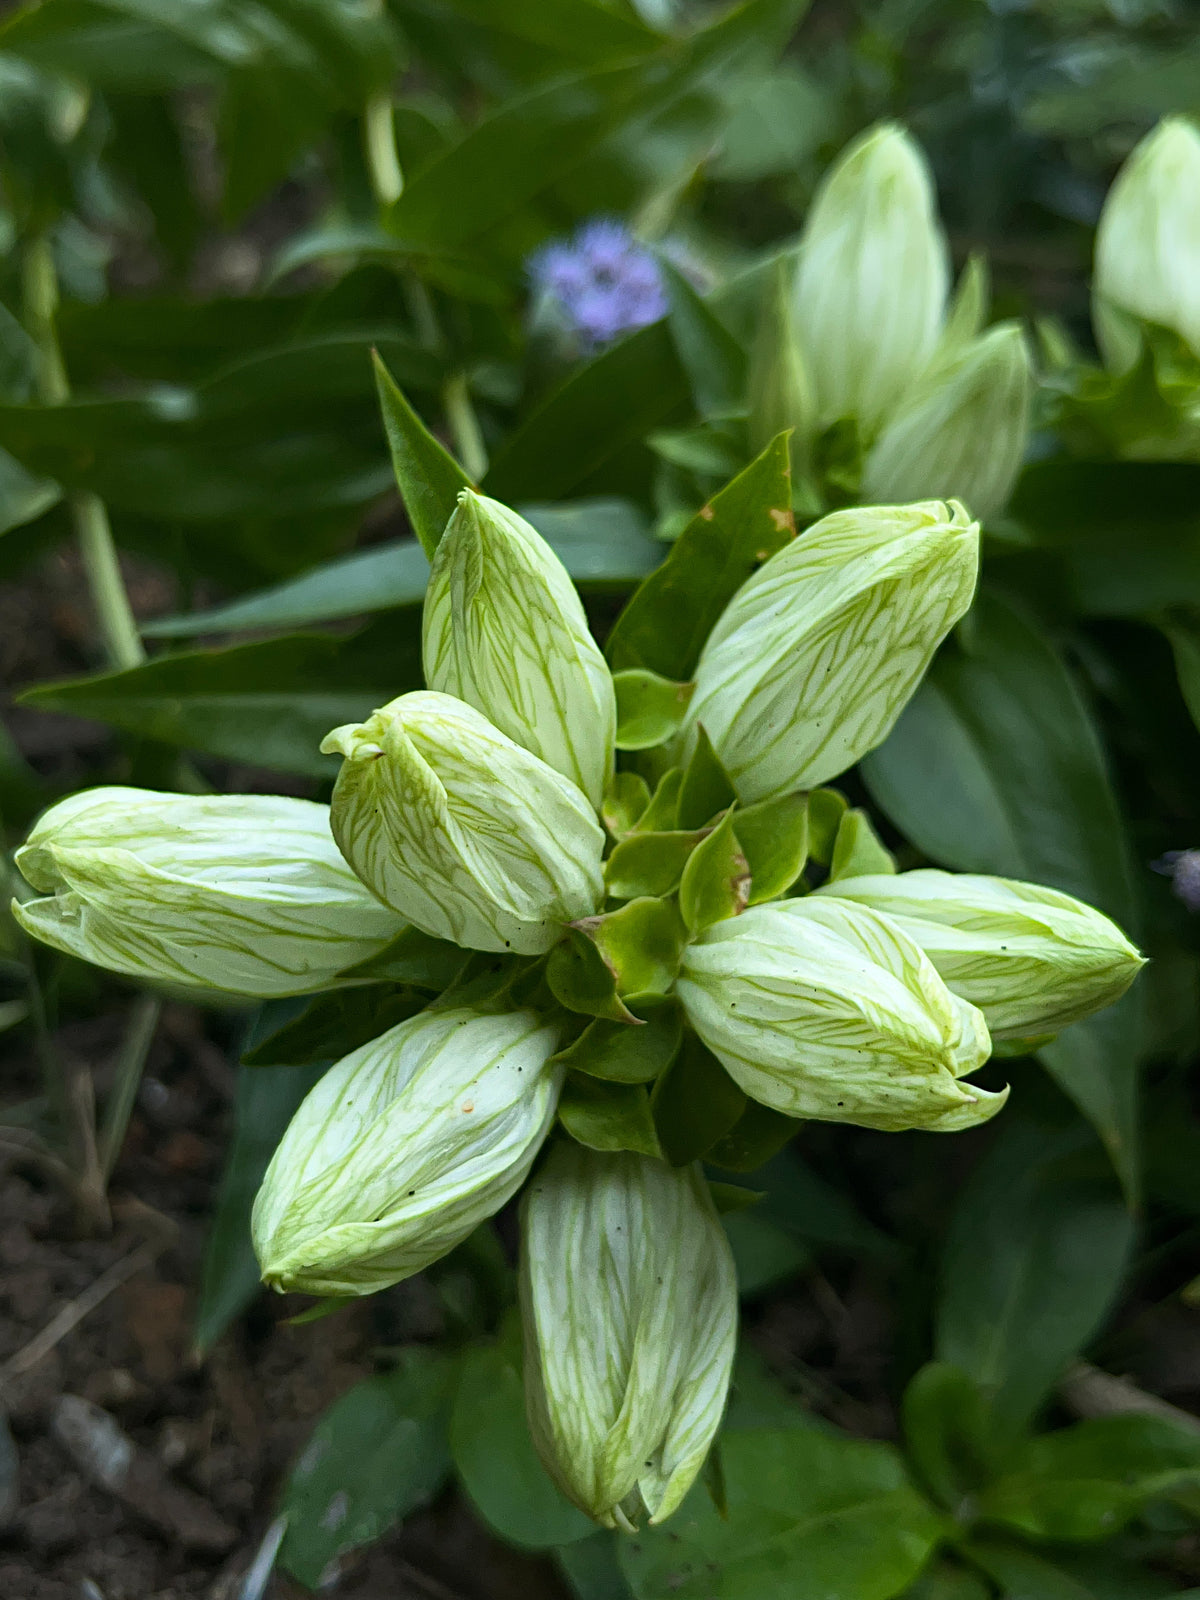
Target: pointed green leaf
(773,835)
(716,880)
(428,477)
(695,1103)
(705,789)
(826,808)
(625,801)
(608,1116)
(331,1025)
(757,1135)
(648,863)
(857,850)
(582,980)
(713,359)
(620,1054)
(649,708)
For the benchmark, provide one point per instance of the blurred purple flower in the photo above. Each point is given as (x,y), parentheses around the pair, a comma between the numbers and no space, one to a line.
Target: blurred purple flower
(1183,869)
(604,280)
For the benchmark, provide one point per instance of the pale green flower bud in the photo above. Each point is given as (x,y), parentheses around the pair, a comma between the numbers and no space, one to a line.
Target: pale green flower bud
(246,893)
(1031,958)
(629,1303)
(1148,244)
(505,631)
(962,431)
(817,653)
(461,831)
(403,1148)
(873,279)
(823,1008)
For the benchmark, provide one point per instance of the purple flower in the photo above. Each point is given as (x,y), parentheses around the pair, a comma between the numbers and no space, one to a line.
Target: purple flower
(604,280)
(1183,869)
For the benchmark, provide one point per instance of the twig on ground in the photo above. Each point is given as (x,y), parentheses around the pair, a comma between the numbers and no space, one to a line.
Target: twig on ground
(1090,1392)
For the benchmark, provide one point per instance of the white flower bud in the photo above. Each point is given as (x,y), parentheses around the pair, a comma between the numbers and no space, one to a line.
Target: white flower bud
(1031,958)
(461,831)
(822,1008)
(1148,244)
(403,1148)
(246,893)
(505,631)
(817,653)
(629,1301)
(961,431)
(872,280)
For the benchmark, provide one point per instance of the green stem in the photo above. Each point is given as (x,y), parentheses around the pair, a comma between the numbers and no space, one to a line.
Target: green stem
(143,1023)
(118,629)
(464,426)
(387,177)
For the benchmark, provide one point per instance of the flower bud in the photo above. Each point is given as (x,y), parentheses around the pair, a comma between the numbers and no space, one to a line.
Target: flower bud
(1148,244)
(962,431)
(823,1008)
(1031,958)
(873,278)
(461,831)
(629,1302)
(505,631)
(817,653)
(403,1148)
(245,893)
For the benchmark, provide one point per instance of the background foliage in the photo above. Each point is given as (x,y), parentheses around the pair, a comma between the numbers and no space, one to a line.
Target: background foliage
(231,232)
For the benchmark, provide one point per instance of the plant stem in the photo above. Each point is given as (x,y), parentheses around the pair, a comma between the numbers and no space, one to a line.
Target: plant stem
(143,1023)
(387,177)
(464,426)
(118,629)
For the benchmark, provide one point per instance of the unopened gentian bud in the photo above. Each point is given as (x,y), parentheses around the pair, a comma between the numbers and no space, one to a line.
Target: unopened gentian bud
(629,1303)
(464,833)
(505,631)
(1148,245)
(961,431)
(817,653)
(1032,959)
(872,280)
(245,893)
(823,1008)
(403,1148)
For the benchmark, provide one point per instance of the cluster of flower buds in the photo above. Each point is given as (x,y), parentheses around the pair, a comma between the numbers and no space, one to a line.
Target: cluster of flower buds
(709,902)
(860,333)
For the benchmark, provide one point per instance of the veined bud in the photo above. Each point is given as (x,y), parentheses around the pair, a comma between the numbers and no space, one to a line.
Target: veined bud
(873,278)
(823,1008)
(505,631)
(817,653)
(962,431)
(1031,958)
(460,830)
(403,1148)
(246,893)
(629,1303)
(1148,244)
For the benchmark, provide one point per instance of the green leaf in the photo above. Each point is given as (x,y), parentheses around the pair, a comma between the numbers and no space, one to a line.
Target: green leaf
(494,1455)
(705,789)
(695,1103)
(592,1568)
(764,1253)
(429,478)
(608,1116)
(581,979)
(857,850)
(997,766)
(713,359)
(1088,1481)
(264,1104)
(665,624)
(811,1515)
(663,811)
(826,808)
(716,880)
(944,1582)
(641,943)
(331,1025)
(268,704)
(413,957)
(946,1431)
(648,863)
(378,1453)
(625,801)
(1037,1248)
(1023,1575)
(620,1054)
(773,835)
(649,708)
(759,1133)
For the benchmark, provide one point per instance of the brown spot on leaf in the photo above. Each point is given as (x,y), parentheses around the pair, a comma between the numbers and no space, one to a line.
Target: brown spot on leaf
(783,519)
(706,513)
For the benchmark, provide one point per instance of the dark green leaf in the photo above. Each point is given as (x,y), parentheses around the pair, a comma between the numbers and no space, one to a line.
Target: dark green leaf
(592,1568)
(495,1458)
(667,621)
(713,359)
(619,1053)
(759,1133)
(716,880)
(331,1025)
(414,957)
(582,980)
(695,1103)
(378,1453)
(649,708)
(429,479)
(774,836)
(608,1116)
(826,808)
(764,1253)
(705,789)
(811,1515)
(946,1431)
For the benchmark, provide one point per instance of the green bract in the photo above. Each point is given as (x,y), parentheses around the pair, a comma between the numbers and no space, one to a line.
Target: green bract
(459,829)
(630,1307)
(1148,245)
(1032,959)
(245,893)
(819,650)
(825,1009)
(403,1148)
(505,631)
